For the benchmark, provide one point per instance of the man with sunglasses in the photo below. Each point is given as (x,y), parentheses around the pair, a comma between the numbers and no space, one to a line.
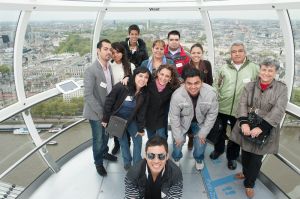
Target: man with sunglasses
(193,106)
(155,176)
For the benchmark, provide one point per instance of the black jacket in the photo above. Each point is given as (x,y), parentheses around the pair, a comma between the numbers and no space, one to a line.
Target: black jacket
(205,67)
(138,56)
(136,179)
(158,105)
(115,99)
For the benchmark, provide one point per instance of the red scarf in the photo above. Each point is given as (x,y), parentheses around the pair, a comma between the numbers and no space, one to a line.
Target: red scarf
(263,86)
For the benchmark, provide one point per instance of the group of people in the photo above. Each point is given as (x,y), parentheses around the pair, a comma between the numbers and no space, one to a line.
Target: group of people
(176,85)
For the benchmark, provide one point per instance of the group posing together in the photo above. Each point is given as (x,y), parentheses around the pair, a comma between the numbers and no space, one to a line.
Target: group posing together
(146,91)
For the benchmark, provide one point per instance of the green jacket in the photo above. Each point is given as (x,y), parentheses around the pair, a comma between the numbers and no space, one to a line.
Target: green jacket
(229,84)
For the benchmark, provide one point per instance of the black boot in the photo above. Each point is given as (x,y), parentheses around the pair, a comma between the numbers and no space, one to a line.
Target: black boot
(116,148)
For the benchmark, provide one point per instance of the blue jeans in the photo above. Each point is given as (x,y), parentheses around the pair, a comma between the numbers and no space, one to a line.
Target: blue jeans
(160,132)
(199,148)
(100,140)
(137,145)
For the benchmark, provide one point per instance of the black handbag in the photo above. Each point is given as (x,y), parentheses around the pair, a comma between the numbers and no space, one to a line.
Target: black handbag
(255,120)
(116,126)
(216,131)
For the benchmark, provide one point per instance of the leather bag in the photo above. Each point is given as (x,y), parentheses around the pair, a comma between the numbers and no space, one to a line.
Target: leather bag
(116,126)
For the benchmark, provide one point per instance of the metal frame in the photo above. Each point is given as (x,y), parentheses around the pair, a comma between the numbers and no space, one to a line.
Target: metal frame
(27,6)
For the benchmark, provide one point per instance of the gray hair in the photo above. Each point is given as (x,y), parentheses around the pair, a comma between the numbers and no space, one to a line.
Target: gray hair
(270,62)
(238,43)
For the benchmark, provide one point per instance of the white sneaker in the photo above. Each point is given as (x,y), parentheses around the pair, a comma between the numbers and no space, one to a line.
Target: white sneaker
(199,165)
(177,163)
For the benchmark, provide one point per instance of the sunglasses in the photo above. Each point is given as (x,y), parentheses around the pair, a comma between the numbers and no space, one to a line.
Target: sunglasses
(161,156)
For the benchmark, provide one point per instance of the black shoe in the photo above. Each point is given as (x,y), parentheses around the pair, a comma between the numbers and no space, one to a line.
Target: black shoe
(214,155)
(115,149)
(101,170)
(110,157)
(127,167)
(232,164)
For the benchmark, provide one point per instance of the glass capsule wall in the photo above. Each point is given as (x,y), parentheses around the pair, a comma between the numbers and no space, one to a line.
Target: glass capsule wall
(59,45)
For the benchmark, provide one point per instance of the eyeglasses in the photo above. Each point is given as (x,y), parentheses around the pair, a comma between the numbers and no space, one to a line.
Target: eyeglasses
(161,156)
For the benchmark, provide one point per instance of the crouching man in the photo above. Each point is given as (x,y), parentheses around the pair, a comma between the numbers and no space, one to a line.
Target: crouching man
(193,105)
(155,176)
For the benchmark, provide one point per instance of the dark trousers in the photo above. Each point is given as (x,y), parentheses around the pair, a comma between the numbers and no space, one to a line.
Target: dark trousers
(251,167)
(233,149)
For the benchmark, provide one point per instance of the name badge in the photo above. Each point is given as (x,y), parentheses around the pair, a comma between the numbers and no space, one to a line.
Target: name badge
(128,98)
(179,65)
(103,85)
(247,80)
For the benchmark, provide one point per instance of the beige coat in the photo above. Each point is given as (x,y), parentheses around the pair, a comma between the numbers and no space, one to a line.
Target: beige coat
(271,104)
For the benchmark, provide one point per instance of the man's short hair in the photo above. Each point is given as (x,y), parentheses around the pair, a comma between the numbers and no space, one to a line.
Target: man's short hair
(157,141)
(270,62)
(193,72)
(133,27)
(99,44)
(238,43)
(174,32)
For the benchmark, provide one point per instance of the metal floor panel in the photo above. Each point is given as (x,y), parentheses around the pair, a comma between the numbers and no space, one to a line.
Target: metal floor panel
(78,179)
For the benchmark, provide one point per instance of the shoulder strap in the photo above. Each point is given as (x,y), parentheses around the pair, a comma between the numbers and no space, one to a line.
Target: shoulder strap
(253,92)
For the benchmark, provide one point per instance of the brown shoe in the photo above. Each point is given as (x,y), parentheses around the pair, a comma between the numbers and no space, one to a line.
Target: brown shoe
(249,192)
(190,143)
(239,176)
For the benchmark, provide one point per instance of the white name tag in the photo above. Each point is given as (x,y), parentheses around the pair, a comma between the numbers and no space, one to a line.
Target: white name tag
(103,85)
(179,65)
(247,80)
(128,98)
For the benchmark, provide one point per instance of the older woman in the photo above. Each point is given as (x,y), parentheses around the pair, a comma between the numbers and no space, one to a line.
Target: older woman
(158,58)
(160,92)
(269,102)
(129,102)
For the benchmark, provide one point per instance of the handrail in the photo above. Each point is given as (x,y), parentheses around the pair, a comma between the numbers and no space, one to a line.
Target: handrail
(288,163)
(39,147)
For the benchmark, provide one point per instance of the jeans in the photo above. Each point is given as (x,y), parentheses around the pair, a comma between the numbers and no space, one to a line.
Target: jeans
(251,167)
(100,140)
(160,132)
(199,148)
(137,145)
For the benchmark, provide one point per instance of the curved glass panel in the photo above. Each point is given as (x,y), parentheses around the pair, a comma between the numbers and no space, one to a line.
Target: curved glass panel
(57,47)
(285,178)
(26,172)
(8,26)
(295,20)
(69,140)
(290,140)
(68,109)
(229,26)
(15,141)
(156,26)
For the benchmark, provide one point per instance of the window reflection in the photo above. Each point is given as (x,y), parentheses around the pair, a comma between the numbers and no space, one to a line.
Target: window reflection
(290,140)
(56,49)
(294,16)
(235,25)
(7,37)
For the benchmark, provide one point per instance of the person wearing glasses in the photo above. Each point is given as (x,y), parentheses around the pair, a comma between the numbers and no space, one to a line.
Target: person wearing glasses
(155,176)
(230,81)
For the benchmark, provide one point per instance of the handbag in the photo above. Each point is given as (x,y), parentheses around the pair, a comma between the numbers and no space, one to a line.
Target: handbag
(255,120)
(116,126)
(216,131)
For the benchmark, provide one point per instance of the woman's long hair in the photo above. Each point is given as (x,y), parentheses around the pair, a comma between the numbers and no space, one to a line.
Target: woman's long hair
(126,64)
(174,82)
(131,83)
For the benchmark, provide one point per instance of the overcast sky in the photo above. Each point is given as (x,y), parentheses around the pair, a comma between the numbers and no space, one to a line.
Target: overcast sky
(46,16)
